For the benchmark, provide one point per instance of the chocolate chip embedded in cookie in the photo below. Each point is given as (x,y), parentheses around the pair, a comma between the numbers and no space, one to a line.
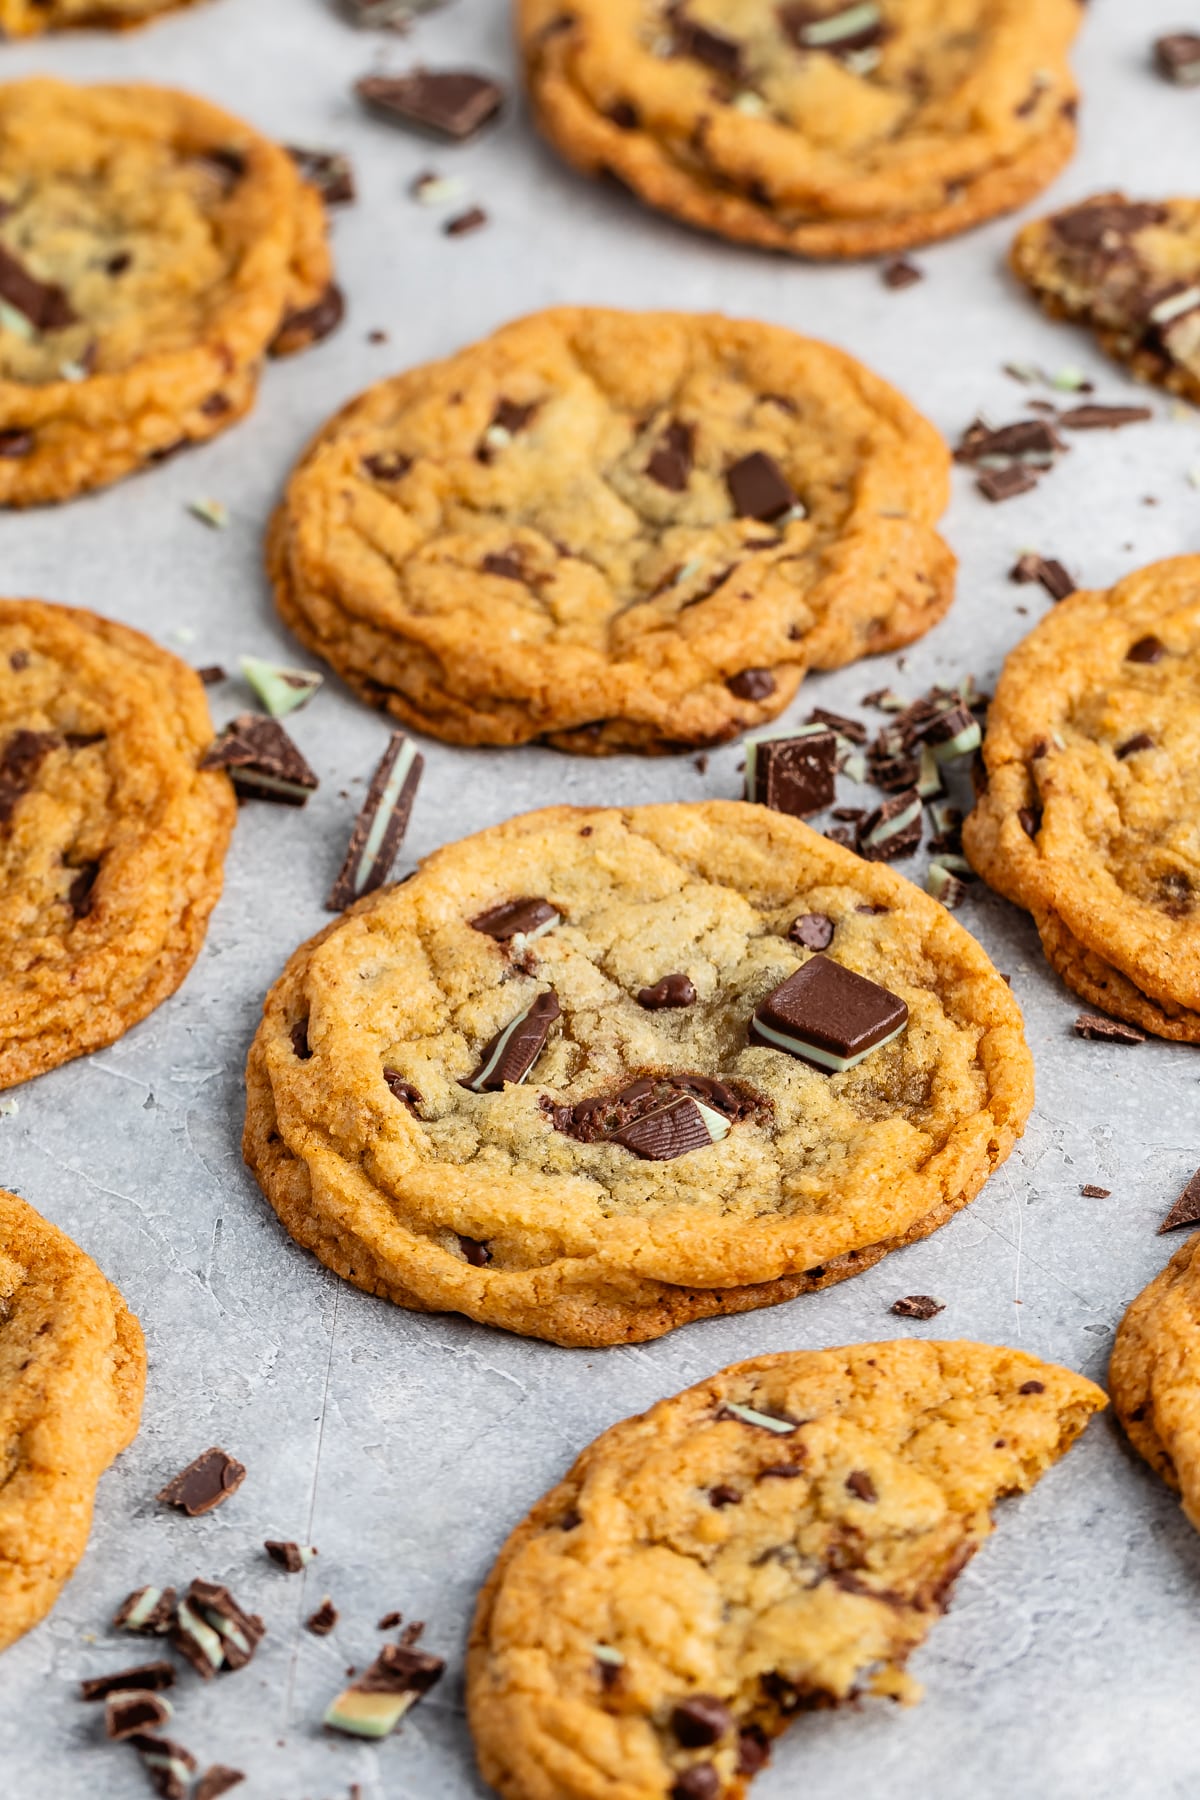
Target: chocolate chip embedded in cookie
(1092,764)
(1153,1375)
(583,1076)
(122,340)
(825,129)
(613,531)
(1130,269)
(72,1371)
(779,1538)
(111,839)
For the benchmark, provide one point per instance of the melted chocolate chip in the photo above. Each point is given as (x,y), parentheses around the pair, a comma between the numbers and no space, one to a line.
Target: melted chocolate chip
(403,1090)
(1147,650)
(752,684)
(813,930)
(475,1251)
(671,991)
(723,1495)
(20,761)
(701,1721)
(1032,1387)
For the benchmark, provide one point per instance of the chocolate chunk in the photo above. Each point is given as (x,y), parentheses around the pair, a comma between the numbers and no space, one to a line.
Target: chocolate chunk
(754,1750)
(289,1555)
(1111,1031)
(701,1721)
(1032,1387)
(900,273)
(310,324)
(713,48)
(859,1483)
(380,827)
(1090,1191)
(724,1495)
(149,1678)
(390,1621)
(22,757)
(1032,439)
(513,416)
(625,115)
(1177,57)
(671,991)
(211,674)
(1103,418)
(1146,650)
(1030,820)
(511,1054)
(918,1306)
(1006,484)
(828,1016)
(216,1781)
(678,1128)
(527,918)
(475,1251)
(759,488)
(398,1678)
(43,303)
(1045,570)
(322,1622)
(504,563)
(893,830)
(1104,220)
(128,1714)
(301,1048)
(793,773)
(387,465)
(813,930)
(670,464)
(262,761)
(853,729)
(784,1471)
(752,684)
(462,224)
(1186,1210)
(169,1766)
(15,444)
(148,1610)
(950,733)
(329,171)
(240,1632)
(700,1782)
(1131,746)
(452,103)
(205,1483)
(404,1091)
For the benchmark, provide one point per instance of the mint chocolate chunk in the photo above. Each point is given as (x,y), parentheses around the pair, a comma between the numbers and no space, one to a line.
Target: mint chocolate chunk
(1186,1210)
(759,488)
(44,304)
(528,918)
(1177,57)
(893,830)
(793,770)
(373,1705)
(380,827)
(682,1125)
(918,1306)
(452,103)
(828,1016)
(262,761)
(148,1678)
(512,1052)
(132,1711)
(205,1483)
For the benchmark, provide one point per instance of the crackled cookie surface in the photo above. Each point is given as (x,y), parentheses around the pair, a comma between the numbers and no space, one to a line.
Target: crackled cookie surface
(29,18)
(524,1084)
(1131,270)
(779,1537)
(72,1371)
(152,250)
(613,530)
(1154,1376)
(111,841)
(1089,815)
(819,127)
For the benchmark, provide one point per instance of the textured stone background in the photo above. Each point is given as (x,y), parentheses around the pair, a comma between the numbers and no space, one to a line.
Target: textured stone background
(406,1447)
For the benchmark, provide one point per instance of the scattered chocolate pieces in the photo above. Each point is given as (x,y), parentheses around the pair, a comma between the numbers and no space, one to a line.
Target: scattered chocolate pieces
(204,1484)
(759,488)
(1028,440)
(828,1016)
(216,1781)
(211,674)
(1090,1191)
(893,830)
(526,919)
(513,1051)
(1103,418)
(793,770)
(700,1721)
(813,930)
(149,1678)
(322,1622)
(329,171)
(380,827)
(134,1711)
(213,1632)
(1045,570)
(262,761)
(150,1611)
(901,273)
(1186,1210)
(918,1306)
(452,103)
(1006,484)
(390,1621)
(43,304)
(290,1556)
(397,1679)
(671,991)
(1177,57)
(1112,1031)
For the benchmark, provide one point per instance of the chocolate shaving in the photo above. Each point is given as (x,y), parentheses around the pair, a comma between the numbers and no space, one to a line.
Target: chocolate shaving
(1186,1210)
(1103,418)
(1111,1031)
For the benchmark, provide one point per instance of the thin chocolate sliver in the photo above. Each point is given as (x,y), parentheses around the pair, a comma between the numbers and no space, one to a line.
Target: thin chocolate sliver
(1090,1191)
(380,827)
(1111,1031)
(169,1766)
(1186,1210)
(528,917)
(462,224)
(918,1306)
(43,303)
(205,1483)
(1027,438)
(1132,746)
(262,761)
(828,1016)
(759,488)
(511,1054)
(150,1678)
(452,103)
(813,930)
(1103,418)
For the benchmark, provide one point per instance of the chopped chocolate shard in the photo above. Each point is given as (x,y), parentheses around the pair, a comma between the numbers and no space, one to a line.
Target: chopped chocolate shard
(22,757)
(452,103)
(1045,570)
(475,1251)
(149,1611)
(700,1782)
(759,488)
(1186,1210)
(1103,418)
(462,224)
(724,1495)
(893,830)
(387,465)
(43,303)
(1090,1191)
(286,1554)
(671,991)
(15,443)
(1132,746)
(1146,650)
(1177,57)
(511,1054)
(683,1125)
(813,930)
(828,1016)
(952,732)
(1032,1387)
(398,1678)
(701,1721)
(216,1781)
(1034,440)
(713,48)
(380,827)
(1006,484)
(918,1306)
(322,1622)
(134,1711)
(793,771)
(404,1091)
(853,729)
(527,918)
(1102,222)
(240,1632)
(390,1621)
(262,761)
(901,273)
(506,564)
(329,171)
(205,1483)
(752,684)
(211,674)
(169,1766)
(1111,1031)
(310,324)
(754,1750)
(859,1483)
(670,463)
(282,690)
(784,1471)
(148,1678)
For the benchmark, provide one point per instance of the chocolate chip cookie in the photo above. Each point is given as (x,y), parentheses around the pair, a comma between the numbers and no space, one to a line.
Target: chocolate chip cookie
(111,841)
(1130,269)
(613,531)
(30,18)
(1154,1376)
(1087,819)
(72,1371)
(153,250)
(584,1077)
(821,127)
(780,1537)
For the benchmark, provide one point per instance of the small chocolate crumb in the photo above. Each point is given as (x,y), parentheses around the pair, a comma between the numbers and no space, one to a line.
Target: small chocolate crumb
(211,674)
(205,1483)
(1103,418)
(288,1555)
(918,1306)
(1186,1210)
(1006,484)
(1045,570)
(322,1622)
(475,1251)
(1177,57)
(390,1621)
(1090,1191)
(462,224)
(901,273)
(813,930)
(1112,1031)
